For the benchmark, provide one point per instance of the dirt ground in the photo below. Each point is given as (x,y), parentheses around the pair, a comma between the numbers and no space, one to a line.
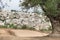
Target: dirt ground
(12,34)
(21,38)
(21,33)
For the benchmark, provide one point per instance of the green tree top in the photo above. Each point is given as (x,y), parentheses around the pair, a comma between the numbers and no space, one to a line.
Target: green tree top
(50,6)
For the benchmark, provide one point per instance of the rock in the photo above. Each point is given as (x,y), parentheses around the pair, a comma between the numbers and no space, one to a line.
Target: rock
(14,16)
(1,23)
(34,20)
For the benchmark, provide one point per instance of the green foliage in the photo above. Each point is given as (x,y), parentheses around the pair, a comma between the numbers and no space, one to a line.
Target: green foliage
(24,27)
(9,26)
(12,26)
(31,2)
(15,27)
(31,28)
(27,27)
(50,6)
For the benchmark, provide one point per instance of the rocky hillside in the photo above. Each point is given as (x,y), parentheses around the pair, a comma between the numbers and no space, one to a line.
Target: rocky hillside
(19,19)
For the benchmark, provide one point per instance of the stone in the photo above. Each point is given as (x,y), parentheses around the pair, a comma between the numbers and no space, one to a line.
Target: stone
(38,21)
(1,23)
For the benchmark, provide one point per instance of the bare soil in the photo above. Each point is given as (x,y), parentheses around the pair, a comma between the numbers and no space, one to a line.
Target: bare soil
(13,34)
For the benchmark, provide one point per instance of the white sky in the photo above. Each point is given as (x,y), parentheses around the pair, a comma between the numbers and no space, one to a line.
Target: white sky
(14,5)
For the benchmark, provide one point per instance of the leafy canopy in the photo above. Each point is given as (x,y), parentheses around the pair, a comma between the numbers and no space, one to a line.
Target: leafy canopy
(50,6)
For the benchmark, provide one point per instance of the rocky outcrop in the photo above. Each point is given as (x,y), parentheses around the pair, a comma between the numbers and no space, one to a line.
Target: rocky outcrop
(37,21)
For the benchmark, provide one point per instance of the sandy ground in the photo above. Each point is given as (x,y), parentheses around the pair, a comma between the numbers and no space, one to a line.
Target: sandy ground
(12,34)
(21,33)
(23,38)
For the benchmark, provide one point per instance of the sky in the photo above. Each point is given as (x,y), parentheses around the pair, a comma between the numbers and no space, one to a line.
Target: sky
(14,5)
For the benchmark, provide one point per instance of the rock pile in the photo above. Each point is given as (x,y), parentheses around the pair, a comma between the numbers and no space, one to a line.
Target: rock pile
(37,21)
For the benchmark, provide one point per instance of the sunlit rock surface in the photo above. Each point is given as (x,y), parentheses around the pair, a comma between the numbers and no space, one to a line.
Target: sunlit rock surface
(37,21)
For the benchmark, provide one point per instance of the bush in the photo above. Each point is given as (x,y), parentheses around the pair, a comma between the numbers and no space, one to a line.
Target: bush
(31,28)
(12,26)
(15,27)
(24,27)
(27,27)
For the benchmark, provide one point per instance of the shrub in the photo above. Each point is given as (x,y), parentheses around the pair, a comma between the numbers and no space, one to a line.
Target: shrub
(31,28)
(15,27)
(27,27)
(12,26)
(24,27)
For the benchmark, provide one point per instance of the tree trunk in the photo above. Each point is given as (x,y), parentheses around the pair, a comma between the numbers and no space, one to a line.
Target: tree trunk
(55,21)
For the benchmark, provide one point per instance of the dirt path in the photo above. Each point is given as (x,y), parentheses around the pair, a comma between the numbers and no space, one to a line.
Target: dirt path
(21,33)
(21,38)
(12,34)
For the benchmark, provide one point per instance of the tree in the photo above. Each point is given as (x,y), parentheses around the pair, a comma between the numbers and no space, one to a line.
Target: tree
(50,7)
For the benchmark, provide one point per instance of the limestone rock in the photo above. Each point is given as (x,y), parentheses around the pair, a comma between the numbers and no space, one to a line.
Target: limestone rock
(37,21)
